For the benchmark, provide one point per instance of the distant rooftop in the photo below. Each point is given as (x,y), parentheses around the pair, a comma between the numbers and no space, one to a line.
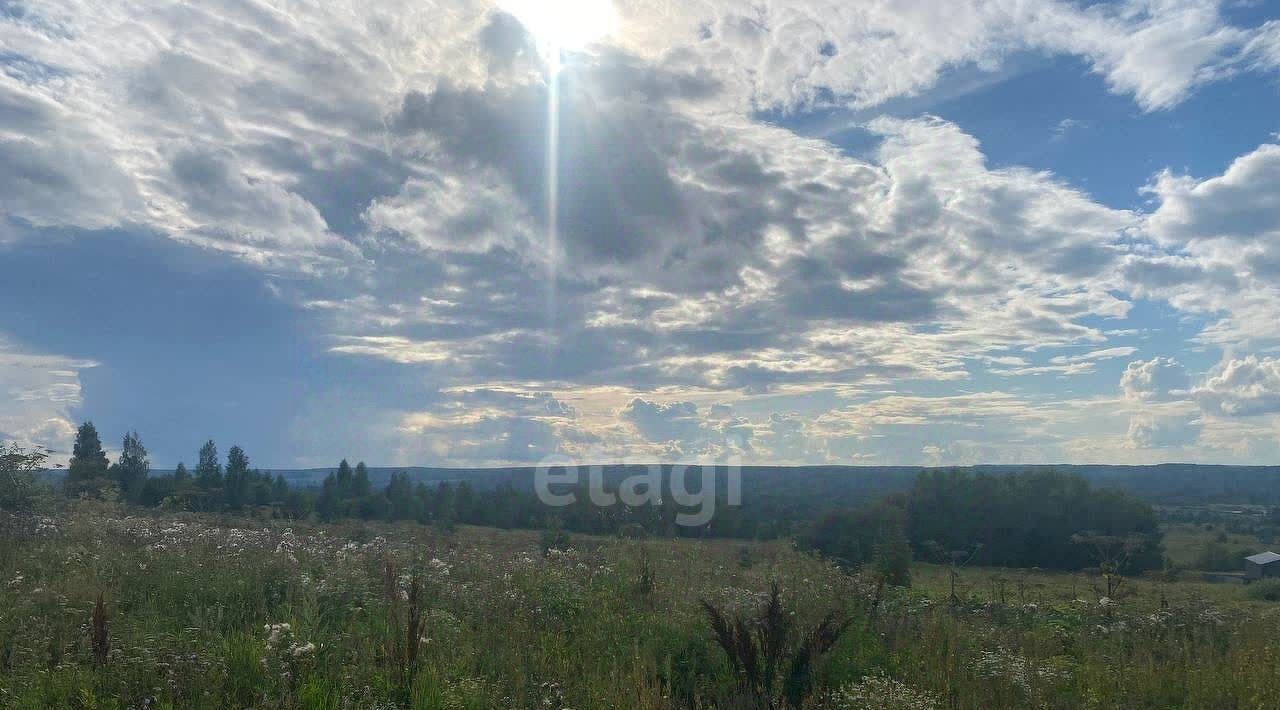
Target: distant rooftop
(1263,558)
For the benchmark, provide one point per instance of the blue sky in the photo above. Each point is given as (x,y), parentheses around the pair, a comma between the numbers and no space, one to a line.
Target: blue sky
(791,231)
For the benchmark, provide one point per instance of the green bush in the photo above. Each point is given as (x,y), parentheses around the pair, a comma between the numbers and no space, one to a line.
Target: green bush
(1220,557)
(18,468)
(1266,590)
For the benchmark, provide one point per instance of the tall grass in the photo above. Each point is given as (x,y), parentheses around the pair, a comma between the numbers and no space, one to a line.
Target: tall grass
(103,609)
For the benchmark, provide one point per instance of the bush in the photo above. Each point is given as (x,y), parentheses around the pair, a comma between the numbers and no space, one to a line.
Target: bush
(553,537)
(892,562)
(18,468)
(1266,590)
(1220,557)
(855,537)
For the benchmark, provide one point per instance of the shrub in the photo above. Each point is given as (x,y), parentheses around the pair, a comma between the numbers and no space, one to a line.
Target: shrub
(18,469)
(772,660)
(1266,590)
(553,537)
(1220,557)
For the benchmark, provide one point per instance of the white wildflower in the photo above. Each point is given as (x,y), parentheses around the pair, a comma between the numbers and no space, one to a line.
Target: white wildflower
(880,692)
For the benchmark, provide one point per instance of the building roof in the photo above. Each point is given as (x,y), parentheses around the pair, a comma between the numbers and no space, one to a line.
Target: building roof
(1263,558)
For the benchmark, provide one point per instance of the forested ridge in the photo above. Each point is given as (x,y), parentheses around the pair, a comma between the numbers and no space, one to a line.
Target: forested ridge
(1038,517)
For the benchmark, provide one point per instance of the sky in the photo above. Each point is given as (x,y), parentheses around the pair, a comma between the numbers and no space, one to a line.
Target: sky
(470,233)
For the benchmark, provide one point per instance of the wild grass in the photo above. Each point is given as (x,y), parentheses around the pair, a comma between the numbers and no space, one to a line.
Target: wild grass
(203,612)
(1185,544)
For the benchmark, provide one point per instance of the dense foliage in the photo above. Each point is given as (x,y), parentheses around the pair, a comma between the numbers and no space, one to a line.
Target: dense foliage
(1035,519)
(873,533)
(18,469)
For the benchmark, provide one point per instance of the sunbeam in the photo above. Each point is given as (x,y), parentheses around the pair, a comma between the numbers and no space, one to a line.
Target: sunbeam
(564,25)
(553,183)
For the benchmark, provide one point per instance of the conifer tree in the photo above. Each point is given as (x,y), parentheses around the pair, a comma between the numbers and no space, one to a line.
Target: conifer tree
(345,480)
(208,470)
(181,476)
(88,463)
(361,486)
(88,460)
(236,481)
(132,469)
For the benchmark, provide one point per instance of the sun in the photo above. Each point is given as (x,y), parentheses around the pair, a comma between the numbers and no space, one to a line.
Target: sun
(564,25)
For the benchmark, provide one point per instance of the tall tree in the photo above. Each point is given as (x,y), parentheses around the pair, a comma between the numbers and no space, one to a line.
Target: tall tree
(361,486)
(236,481)
(329,504)
(345,480)
(279,489)
(400,498)
(208,470)
(133,467)
(88,461)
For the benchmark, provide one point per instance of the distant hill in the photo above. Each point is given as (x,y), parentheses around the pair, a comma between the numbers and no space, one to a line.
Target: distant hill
(1162,484)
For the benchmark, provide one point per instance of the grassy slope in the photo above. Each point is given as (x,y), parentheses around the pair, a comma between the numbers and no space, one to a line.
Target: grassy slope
(188,598)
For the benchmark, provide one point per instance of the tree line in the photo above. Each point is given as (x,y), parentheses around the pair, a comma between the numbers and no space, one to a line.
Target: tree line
(1041,518)
(210,486)
(349,492)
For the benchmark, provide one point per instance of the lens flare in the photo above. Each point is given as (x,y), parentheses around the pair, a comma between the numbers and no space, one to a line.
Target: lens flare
(563,25)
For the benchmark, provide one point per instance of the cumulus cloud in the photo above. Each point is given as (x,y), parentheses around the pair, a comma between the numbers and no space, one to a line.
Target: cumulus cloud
(1237,205)
(489,426)
(1159,379)
(1159,432)
(1223,233)
(686,431)
(785,438)
(228,124)
(40,396)
(385,166)
(1243,387)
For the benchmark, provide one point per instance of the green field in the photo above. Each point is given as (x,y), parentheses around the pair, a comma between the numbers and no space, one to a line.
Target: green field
(190,601)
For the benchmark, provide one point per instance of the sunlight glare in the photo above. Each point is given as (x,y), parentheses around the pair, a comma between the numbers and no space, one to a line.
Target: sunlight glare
(559,25)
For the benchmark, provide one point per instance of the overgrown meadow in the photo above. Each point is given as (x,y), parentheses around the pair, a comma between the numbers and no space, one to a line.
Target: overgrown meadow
(204,611)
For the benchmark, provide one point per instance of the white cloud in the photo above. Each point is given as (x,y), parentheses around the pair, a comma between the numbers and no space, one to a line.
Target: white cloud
(1159,379)
(1239,205)
(791,53)
(1220,248)
(1264,47)
(686,431)
(702,256)
(1243,387)
(1159,432)
(38,395)
(1159,50)
(471,427)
